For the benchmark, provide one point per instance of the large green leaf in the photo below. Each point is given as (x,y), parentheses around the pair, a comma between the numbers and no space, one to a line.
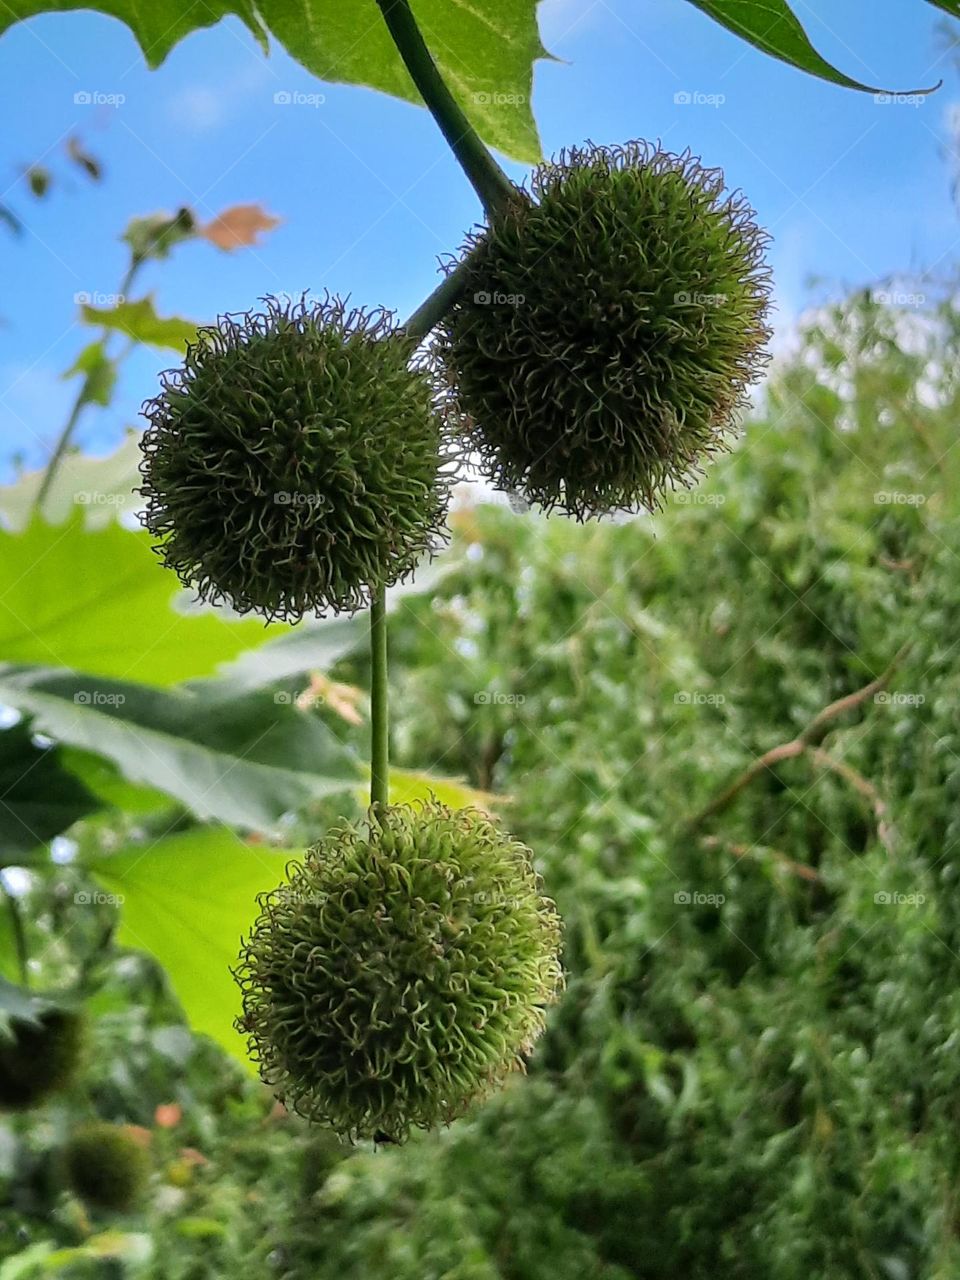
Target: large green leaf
(241,760)
(316,645)
(99,600)
(485,51)
(38,797)
(772,27)
(310,646)
(111,480)
(187,900)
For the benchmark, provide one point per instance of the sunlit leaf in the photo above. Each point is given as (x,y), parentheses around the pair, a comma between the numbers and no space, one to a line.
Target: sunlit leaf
(110,480)
(186,900)
(486,51)
(407,786)
(98,600)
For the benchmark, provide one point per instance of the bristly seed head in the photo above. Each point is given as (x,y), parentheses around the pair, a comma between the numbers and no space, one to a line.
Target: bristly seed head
(296,462)
(105,1165)
(612,320)
(402,971)
(39,1058)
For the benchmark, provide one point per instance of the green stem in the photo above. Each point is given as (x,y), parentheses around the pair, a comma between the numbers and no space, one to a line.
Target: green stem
(432,310)
(487,178)
(79,404)
(379,721)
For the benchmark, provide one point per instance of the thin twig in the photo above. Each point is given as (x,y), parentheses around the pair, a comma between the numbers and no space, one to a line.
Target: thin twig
(795,868)
(808,738)
(864,787)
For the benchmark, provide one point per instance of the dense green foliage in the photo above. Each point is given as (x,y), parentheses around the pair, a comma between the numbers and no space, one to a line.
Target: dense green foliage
(753,1071)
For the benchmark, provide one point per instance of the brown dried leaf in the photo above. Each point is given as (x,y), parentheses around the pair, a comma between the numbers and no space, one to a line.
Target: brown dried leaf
(238,226)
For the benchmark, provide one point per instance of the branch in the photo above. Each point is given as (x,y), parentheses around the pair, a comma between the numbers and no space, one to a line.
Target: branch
(432,310)
(864,787)
(81,401)
(752,851)
(486,177)
(819,726)
(808,739)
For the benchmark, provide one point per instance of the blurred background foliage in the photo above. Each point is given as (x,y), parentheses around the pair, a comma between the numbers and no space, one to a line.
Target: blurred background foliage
(730,732)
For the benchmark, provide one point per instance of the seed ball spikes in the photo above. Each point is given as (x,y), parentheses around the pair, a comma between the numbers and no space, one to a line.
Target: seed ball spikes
(295,462)
(611,321)
(402,971)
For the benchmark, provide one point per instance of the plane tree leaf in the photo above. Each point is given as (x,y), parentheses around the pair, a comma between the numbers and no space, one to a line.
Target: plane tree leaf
(486,51)
(244,761)
(99,600)
(772,27)
(187,900)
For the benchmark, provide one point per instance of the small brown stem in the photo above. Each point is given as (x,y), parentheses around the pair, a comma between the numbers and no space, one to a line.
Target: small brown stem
(795,868)
(808,738)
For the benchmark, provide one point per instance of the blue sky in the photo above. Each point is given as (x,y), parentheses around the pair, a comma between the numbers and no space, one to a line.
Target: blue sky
(851,189)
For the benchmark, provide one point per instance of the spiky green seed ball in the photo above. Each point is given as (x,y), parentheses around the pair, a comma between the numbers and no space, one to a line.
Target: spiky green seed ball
(401,973)
(39,1058)
(105,1166)
(611,321)
(295,463)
